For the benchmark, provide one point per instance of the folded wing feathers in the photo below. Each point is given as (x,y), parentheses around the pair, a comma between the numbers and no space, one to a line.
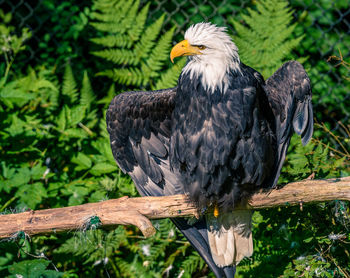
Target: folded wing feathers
(289,94)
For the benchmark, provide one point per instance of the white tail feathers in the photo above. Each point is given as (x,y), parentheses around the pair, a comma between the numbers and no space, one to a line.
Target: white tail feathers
(230,237)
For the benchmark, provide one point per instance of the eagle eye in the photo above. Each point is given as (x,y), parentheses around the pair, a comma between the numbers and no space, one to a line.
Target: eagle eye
(201,47)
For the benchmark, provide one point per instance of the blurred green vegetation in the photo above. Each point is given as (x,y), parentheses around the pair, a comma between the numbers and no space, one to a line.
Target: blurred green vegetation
(55,151)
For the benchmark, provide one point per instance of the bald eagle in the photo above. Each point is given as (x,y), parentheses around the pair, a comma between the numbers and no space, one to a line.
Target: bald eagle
(222,133)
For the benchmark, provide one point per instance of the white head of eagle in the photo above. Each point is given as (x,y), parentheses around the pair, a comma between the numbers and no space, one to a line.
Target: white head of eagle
(212,55)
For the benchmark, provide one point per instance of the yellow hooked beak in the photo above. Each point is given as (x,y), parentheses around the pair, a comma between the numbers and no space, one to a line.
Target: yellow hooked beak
(183,48)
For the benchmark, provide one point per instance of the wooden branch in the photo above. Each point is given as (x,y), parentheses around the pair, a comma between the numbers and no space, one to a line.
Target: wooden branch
(138,211)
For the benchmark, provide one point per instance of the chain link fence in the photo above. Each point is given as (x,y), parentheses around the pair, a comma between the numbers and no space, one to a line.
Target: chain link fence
(24,14)
(324,24)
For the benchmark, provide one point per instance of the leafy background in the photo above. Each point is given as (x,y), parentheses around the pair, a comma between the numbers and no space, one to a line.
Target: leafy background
(55,152)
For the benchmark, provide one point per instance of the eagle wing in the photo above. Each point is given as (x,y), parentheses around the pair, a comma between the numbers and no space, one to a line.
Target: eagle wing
(139,124)
(289,95)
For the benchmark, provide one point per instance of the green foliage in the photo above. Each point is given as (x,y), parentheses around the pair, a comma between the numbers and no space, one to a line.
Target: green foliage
(139,52)
(11,44)
(95,246)
(63,40)
(266,39)
(330,93)
(302,161)
(157,255)
(190,265)
(51,139)
(55,151)
(309,266)
(32,269)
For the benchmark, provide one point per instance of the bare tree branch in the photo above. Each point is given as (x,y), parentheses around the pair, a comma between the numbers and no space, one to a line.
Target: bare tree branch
(138,211)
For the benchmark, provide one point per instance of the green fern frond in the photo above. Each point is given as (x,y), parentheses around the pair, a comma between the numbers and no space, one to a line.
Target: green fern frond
(110,13)
(286,48)
(163,228)
(77,118)
(122,40)
(103,129)
(118,56)
(87,96)
(107,4)
(138,26)
(74,115)
(147,41)
(170,77)
(139,52)
(160,53)
(131,16)
(157,250)
(129,76)
(266,39)
(133,269)
(105,26)
(191,264)
(53,100)
(110,94)
(115,18)
(127,26)
(69,87)
(94,245)
(124,266)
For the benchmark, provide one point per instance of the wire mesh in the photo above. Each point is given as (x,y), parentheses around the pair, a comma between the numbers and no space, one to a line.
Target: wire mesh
(326,29)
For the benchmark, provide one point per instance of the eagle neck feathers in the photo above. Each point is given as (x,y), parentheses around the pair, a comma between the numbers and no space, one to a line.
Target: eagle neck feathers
(214,75)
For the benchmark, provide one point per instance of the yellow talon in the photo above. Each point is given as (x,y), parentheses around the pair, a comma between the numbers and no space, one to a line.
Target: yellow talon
(216,210)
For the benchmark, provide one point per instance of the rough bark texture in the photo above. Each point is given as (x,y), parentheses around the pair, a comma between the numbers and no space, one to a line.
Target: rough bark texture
(138,211)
